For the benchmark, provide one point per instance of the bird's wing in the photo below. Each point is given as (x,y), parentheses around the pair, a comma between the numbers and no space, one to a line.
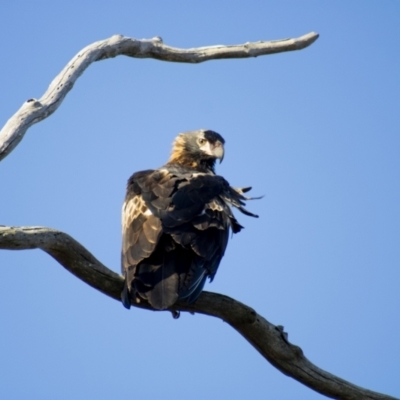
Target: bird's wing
(147,252)
(179,221)
(198,219)
(140,231)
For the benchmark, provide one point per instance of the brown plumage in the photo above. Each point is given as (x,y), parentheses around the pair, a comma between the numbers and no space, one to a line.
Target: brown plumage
(176,222)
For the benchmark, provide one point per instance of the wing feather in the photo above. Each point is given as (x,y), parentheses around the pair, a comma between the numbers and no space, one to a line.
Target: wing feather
(175,231)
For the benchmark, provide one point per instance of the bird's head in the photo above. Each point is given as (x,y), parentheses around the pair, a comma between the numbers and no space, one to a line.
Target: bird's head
(198,149)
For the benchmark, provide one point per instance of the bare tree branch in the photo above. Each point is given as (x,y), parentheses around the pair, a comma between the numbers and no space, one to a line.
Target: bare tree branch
(270,340)
(33,110)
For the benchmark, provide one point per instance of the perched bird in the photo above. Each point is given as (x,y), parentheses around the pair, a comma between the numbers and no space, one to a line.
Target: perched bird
(176,222)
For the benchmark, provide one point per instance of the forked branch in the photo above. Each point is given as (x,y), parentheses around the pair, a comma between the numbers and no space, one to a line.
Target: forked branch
(270,340)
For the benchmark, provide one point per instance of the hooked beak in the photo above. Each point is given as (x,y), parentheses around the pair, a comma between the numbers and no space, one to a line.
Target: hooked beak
(214,149)
(219,151)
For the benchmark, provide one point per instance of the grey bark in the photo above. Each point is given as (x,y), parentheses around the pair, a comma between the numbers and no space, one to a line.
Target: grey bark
(270,340)
(34,110)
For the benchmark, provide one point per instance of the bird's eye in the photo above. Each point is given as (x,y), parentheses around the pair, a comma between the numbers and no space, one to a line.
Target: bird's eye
(202,141)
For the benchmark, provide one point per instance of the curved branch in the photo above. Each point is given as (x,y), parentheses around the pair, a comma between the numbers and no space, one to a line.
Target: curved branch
(33,110)
(270,340)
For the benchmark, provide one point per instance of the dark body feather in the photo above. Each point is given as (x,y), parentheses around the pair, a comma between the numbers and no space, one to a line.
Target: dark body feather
(176,222)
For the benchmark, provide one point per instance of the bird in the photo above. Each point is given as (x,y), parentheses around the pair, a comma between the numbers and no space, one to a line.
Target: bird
(176,222)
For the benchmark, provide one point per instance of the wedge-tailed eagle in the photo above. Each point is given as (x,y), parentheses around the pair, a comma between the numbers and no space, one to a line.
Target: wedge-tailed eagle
(176,222)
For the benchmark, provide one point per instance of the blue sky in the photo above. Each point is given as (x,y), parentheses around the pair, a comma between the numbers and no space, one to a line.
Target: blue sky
(315,131)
